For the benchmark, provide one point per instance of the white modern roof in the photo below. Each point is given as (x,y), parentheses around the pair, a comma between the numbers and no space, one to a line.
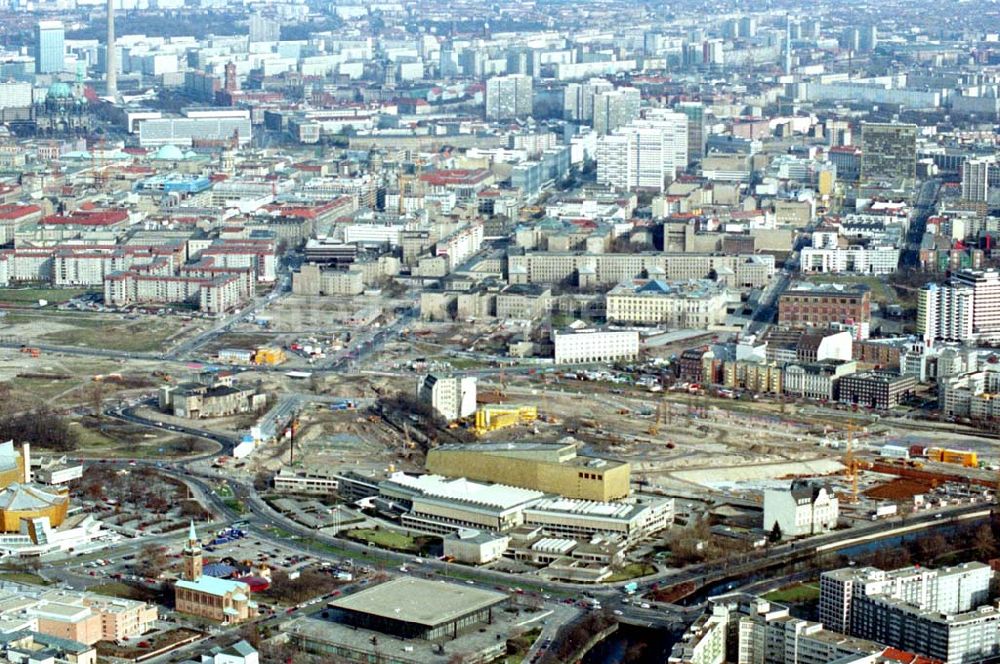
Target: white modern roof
(460,489)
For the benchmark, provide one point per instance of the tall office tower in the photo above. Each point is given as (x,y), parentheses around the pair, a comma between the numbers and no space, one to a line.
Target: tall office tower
(50,47)
(850,39)
(508,97)
(645,154)
(888,152)
(811,29)
(264,28)
(111,55)
(788,45)
(731,29)
(473,62)
(867,39)
(523,60)
(697,136)
(578,99)
(976,178)
(653,42)
(448,60)
(615,108)
(748,26)
(838,133)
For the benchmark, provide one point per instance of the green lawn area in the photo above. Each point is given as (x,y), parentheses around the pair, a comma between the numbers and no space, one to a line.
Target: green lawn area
(33,295)
(631,571)
(118,589)
(24,577)
(882,292)
(386,539)
(799,592)
(128,336)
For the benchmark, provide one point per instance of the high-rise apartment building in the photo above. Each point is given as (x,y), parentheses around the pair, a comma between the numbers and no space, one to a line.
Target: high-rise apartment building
(645,154)
(264,28)
(976,178)
(508,97)
(578,99)
(867,38)
(985,301)
(939,613)
(615,108)
(50,47)
(451,397)
(945,312)
(888,152)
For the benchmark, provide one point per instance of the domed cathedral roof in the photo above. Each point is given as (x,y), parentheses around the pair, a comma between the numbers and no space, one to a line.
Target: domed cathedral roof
(169,153)
(59,90)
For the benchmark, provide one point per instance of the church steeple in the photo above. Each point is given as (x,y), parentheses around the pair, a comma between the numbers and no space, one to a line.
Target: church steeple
(192,556)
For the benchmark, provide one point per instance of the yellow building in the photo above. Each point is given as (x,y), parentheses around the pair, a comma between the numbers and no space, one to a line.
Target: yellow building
(754,376)
(549,467)
(269,355)
(26,501)
(12,464)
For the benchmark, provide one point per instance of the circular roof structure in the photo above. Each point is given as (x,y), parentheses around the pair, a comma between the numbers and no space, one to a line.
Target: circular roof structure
(169,153)
(60,90)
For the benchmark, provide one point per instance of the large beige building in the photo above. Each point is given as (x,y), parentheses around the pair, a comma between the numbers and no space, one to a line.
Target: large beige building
(81,617)
(548,467)
(695,303)
(311,279)
(734,271)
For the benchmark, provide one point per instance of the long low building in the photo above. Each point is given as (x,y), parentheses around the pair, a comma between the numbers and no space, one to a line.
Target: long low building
(590,270)
(443,505)
(628,522)
(588,344)
(419,609)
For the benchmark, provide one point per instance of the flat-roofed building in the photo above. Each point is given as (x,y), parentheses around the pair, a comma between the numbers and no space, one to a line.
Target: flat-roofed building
(694,303)
(823,305)
(321,481)
(628,522)
(584,345)
(444,505)
(417,608)
(547,467)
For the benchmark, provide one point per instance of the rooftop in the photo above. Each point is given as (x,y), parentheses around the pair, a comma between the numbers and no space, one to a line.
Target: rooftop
(460,489)
(420,601)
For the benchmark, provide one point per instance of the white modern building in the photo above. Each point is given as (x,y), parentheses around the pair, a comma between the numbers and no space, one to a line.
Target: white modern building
(445,505)
(475,547)
(626,521)
(804,508)
(856,259)
(583,345)
(976,179)
(452,397)
(944,312)
(965,309)
(943,613)
(644,154)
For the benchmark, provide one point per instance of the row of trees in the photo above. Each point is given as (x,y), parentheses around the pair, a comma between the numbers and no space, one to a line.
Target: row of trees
(41,426)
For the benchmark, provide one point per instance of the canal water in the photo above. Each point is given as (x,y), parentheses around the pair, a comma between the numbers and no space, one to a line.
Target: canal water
(633,645)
